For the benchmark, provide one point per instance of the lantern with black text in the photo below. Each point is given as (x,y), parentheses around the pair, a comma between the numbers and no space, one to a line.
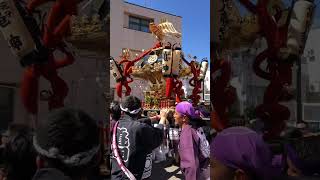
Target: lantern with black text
(116,70)
(166,61)
(171,62)
(300,23)
(22,33)
(176,62)
(203,69)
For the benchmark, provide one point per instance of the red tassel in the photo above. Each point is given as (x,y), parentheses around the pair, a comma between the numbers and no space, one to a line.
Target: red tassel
(169,87)
(29,89)
(128,89)
(279,73)
(178,99)
(60,91)
(119,89)
(57,27)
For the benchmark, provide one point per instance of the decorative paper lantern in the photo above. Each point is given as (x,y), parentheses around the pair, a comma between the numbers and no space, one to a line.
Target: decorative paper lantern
(203,69)
(116,70)
(166,61)
(171,63)
(300,22)
(176,62)
(15,30)
(22,32)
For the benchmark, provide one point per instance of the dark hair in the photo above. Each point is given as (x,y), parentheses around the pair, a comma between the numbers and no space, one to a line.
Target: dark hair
(131,103)
(295,133)
(71,131)
(197,122)
(115,110)
(170,118)
(19,154)
(16,128)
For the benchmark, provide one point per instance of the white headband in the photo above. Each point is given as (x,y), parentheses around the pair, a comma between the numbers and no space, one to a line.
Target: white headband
(78,159)
(136,111)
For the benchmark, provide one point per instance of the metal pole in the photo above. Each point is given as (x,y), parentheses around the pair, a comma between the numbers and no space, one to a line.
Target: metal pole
(203,89)
(298,89)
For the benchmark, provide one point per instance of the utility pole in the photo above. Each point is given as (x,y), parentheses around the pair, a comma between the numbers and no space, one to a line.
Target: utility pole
(203,89)
(299,94)
(299,66)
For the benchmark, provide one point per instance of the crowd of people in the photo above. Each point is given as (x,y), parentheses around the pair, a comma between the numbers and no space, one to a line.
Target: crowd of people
(67,145)
(135,139)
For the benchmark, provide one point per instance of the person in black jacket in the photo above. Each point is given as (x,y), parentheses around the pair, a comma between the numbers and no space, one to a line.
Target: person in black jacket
(135,140)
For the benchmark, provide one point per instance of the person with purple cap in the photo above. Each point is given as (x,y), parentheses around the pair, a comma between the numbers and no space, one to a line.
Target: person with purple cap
(240,153)
(193,163)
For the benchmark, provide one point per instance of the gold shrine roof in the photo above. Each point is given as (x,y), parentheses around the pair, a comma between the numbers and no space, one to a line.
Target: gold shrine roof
(89,33)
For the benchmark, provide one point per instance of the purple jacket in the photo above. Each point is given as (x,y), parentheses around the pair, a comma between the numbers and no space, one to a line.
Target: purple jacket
(192,160)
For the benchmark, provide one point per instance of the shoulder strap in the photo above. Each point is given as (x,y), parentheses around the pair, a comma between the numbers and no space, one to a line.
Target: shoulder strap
(114,147)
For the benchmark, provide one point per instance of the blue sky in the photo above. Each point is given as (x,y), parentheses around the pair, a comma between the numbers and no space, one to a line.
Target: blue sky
(195,22)
(316,20)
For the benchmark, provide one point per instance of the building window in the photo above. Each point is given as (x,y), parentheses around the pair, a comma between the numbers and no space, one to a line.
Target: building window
(139,24)
(6,106)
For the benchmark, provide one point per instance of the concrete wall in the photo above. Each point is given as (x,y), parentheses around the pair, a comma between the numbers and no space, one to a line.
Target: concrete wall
(313,44)
(86,80)
(11,72)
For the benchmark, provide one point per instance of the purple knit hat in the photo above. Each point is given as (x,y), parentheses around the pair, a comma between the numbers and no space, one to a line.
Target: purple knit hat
(242,148)
(186,108)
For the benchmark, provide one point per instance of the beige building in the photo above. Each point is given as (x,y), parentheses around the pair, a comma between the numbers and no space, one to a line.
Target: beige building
(129,28)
